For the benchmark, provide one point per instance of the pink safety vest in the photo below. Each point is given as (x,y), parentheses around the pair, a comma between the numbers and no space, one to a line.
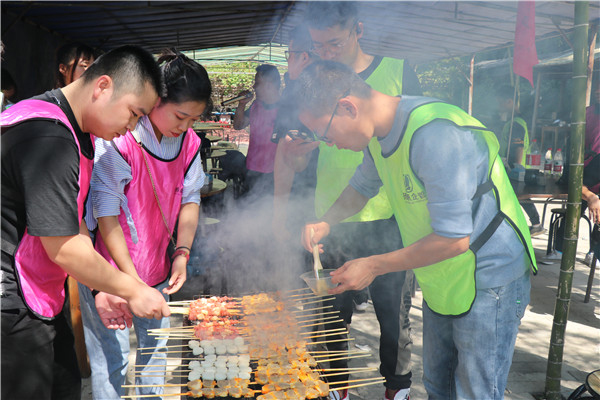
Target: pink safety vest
(261,151)
(42,282)
(149,254)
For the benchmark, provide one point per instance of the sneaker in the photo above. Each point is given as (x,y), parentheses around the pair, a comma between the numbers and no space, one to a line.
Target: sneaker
(339,395)
(402,394)
(361,307)
(536,229)
(555,255)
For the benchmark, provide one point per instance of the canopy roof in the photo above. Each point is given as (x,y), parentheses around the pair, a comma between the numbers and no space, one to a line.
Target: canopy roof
(417,30)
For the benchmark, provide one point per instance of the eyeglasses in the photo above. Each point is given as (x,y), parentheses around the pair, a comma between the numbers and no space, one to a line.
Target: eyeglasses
(332,47)
(324,137)
(288,53)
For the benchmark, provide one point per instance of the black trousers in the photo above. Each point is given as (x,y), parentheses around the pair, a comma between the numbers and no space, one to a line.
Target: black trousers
(38,358)
(390,294)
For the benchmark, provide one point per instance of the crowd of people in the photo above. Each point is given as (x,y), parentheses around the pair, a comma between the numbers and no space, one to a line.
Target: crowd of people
(356,162)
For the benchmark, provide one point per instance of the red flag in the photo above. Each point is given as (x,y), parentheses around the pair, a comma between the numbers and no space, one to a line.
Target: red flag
(525,56)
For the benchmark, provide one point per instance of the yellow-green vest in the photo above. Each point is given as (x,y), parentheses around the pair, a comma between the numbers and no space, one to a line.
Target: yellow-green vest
(336,166)
(448,286)
(504,139)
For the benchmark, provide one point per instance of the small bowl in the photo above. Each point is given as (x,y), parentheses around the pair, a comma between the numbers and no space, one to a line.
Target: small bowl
(320,286)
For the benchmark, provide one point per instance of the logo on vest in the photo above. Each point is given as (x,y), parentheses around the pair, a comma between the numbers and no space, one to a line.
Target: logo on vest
(409,195)
(179,190)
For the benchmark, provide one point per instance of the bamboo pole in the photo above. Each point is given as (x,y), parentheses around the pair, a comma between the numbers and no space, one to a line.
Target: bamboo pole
(567,265)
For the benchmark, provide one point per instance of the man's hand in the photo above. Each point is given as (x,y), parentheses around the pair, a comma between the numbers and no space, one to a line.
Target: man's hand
(594,208)
(313,233)
(148,302)
(354,275)
(113,311)
(178,275)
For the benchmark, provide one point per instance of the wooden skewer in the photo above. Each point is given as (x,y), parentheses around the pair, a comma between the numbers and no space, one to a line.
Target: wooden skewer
(172,328)
(319,319)
(312,315)
(317,301)
(313,309)
(179,310)
(348,352)
(319,323)
(324,331)
(345,358)
(317,336)
(355,372)
(168,351)
(379,378)
(345,369)
(163,385)
(333,341)
(359,385)
(163,347)
(135,396)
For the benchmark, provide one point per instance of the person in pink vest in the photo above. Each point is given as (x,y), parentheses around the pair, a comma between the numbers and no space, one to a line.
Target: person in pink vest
(261,118)
(47,155)
(142,184)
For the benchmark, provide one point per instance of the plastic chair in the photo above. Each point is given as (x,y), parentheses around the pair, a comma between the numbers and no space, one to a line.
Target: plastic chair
(558,214)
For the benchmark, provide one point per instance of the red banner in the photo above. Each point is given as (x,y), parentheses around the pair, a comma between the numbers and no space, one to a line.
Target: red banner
(525,56)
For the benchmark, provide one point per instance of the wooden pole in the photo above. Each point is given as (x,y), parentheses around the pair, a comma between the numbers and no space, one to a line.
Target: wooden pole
(77,324)
(567,265)
(471,84)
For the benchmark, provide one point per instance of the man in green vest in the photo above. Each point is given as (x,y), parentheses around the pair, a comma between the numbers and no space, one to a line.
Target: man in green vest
(464,233)
(519,145)
(335,29)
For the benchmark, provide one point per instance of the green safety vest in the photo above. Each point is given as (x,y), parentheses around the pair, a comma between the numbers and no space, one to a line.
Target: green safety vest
(336,166)
(448,286)
(504,139)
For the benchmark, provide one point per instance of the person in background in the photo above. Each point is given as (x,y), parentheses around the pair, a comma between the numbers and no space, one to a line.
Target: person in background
(592,121)
(464,234)
(142,184)
(9,89)
(72,60)
(47,155)
(261,118)
(519,146)
(292,139)
(335,30)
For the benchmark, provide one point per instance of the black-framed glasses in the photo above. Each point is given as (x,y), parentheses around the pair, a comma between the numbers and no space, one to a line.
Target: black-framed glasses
(288,53)
(324,137)
(334,47)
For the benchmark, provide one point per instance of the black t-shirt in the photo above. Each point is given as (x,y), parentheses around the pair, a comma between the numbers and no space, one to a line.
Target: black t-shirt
(39,188)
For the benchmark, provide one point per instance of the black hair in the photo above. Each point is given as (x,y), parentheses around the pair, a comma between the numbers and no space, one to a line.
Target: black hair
(301,40)
(324,82)
(7,80)
(130,68)
(327,14)
(270,73)
(185,79)
(70,52)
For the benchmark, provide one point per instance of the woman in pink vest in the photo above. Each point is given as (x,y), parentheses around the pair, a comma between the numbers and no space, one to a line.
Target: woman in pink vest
(141,185)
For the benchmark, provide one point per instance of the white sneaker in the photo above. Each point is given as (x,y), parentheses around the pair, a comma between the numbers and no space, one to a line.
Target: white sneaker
(402,394)
(361,306)
(339,395)
(588,258)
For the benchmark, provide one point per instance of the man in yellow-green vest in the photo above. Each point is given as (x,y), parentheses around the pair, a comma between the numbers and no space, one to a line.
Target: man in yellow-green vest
(519,145)
(464,233)
(335,30)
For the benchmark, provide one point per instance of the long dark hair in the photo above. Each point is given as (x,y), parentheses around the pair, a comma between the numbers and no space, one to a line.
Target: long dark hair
(68,53)
(185,79)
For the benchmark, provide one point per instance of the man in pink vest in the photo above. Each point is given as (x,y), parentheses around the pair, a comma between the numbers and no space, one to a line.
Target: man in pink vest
(47,155)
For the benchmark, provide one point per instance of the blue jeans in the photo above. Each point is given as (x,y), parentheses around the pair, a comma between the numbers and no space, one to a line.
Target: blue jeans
(469,357)
(108,351)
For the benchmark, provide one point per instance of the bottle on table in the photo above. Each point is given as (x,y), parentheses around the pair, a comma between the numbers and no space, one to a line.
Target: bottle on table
(548,162)
(533,159)
(558,163)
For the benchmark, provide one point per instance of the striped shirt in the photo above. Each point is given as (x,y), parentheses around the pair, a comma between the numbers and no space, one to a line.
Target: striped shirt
(112,173)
